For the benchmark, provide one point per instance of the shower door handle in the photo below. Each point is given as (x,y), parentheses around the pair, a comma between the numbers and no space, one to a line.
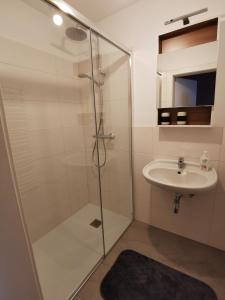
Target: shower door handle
(109,136)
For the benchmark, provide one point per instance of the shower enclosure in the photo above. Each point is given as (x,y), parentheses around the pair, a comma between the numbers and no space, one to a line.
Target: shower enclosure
(66,109)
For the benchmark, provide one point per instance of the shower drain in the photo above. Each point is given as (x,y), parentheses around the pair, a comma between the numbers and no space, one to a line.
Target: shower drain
(96,223)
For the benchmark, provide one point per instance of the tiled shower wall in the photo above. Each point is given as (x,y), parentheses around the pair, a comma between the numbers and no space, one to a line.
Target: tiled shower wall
(201,218)
(44,113)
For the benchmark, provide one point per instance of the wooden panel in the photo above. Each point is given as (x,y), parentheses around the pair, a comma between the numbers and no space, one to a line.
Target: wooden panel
(201,33)
(198,115)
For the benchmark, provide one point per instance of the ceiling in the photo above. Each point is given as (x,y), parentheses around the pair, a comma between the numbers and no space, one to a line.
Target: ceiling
(97,10)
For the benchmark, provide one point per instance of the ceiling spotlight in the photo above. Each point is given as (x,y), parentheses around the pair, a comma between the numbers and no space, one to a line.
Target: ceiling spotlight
(57,19)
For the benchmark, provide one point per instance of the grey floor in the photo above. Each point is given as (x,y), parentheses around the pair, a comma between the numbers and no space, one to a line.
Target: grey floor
(195,259)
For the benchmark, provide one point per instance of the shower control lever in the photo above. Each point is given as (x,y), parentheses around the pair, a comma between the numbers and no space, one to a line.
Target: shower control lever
(109,136)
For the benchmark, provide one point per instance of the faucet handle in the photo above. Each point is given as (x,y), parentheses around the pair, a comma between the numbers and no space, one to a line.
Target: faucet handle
(181,159)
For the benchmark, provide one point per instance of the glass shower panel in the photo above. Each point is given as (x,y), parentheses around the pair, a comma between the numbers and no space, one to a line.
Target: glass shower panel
(113,106)
(46,96)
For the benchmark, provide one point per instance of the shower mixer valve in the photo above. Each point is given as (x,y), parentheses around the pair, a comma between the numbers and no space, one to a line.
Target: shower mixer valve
(109,136)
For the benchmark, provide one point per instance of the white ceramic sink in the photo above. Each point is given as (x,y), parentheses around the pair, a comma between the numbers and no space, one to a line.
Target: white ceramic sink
(191,180)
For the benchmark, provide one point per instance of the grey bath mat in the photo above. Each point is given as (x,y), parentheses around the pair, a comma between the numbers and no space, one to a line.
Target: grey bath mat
(137,277)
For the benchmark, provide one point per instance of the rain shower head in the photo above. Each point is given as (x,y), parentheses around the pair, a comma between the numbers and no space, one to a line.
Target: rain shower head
(77,34)
(74,34)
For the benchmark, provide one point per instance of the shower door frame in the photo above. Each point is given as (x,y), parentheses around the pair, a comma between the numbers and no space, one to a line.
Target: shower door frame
(71,12)
(94,33)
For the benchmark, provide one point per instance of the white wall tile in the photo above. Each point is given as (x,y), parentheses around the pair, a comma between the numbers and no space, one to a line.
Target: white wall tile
(222,151)
(43,113)
(217,238)
(46,206)
(142,189)
(185,143)
(197,219)
(26,57)
(45,142)
(116,182)
(74,139)
(193,220)
(143,140)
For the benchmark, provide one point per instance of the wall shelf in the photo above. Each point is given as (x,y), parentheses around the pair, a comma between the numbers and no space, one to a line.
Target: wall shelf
(198,116)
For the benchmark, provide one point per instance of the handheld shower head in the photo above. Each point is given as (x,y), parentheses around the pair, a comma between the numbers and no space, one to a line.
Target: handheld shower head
(84,75)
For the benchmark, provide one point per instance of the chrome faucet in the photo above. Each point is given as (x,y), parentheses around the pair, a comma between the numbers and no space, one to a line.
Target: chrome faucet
(181,163)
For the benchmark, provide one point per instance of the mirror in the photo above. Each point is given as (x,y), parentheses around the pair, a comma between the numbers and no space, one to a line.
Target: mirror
(187,77)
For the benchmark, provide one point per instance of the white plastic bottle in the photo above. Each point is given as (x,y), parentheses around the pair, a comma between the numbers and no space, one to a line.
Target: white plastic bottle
(204,161)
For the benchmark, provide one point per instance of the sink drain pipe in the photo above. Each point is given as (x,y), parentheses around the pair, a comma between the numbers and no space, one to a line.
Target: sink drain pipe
(177,199)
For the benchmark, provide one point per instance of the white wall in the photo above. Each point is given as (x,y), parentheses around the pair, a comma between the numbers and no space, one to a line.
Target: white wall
(15,259)
(201,218)
(138,27)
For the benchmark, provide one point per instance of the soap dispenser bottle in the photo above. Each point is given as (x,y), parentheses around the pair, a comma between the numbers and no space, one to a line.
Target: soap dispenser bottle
(204,161)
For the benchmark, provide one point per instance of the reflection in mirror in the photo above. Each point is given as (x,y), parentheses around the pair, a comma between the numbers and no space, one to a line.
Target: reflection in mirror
(186,78)
(194,89)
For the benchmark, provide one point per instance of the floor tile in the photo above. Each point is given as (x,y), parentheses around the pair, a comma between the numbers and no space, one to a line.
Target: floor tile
(197,260)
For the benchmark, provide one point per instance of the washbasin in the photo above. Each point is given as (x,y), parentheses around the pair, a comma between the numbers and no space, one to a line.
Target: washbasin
(190,180)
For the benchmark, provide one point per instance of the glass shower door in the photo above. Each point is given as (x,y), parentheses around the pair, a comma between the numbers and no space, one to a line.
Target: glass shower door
(46,95)
(113,107)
